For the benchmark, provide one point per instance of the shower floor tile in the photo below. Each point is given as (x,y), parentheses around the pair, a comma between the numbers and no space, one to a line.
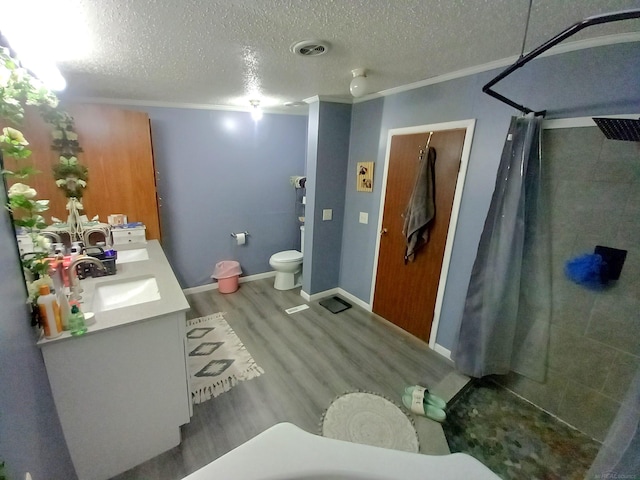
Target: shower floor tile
(515,439)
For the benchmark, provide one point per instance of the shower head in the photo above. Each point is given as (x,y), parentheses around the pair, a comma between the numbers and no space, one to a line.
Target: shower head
(619,128)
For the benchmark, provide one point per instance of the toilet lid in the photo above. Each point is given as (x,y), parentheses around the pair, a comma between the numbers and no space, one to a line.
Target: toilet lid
(287,256)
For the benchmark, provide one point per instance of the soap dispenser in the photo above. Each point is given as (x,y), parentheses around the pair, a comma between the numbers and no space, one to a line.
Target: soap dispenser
(76,322)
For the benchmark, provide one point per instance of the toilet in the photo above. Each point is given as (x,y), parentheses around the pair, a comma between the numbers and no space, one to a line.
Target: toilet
(288,266)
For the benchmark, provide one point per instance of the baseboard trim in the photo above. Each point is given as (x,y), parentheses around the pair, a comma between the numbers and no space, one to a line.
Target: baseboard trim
(214,286)
(317,296)
(336,291)
(354,299)
(445,352)
(200,288)
(257,276)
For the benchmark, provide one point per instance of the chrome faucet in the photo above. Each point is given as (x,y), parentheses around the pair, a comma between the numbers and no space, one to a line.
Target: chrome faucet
(87,233)
(52,235)
(73,275)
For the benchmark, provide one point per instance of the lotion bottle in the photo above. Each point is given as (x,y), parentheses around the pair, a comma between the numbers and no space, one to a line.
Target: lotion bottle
(65,309)
(49,312)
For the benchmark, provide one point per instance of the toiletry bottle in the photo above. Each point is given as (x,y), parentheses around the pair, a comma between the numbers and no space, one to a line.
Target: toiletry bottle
(65,308)
(76,322)
(49,312)
(55,272)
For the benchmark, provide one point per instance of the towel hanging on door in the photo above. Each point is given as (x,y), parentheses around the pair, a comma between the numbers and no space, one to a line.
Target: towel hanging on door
(421,209)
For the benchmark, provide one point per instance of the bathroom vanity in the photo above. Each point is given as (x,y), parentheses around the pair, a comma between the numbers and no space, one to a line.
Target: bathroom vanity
(122,389)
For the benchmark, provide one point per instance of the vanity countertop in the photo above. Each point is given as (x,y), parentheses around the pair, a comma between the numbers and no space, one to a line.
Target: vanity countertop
(171,300)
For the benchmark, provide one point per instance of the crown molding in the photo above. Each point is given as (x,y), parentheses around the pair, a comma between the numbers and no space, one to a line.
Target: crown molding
(328,98)
(578,122)
(505,62)
(302,110)
(465,72)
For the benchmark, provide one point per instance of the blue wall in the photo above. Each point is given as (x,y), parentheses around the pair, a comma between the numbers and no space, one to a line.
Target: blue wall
(30,434)
(214,181)
(586,82)
(222,172)
(328,154)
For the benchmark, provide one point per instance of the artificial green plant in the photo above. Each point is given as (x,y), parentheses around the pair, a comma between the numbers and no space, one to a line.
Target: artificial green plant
(17,89)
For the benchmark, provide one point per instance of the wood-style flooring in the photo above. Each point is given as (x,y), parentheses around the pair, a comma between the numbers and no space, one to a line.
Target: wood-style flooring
(309,358)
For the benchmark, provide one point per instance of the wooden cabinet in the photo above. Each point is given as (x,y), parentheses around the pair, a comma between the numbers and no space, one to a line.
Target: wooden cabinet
(117,151)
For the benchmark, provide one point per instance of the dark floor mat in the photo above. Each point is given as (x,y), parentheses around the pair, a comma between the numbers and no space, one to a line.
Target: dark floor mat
(335,304)
(515,439)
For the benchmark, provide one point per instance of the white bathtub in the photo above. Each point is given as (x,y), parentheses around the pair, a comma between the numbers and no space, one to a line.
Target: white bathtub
(285,452)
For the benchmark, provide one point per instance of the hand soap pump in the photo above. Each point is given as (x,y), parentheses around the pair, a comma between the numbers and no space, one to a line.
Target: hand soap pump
(76,322)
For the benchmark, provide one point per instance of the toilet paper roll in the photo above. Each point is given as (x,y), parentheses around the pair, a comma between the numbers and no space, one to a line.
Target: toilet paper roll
(241,238)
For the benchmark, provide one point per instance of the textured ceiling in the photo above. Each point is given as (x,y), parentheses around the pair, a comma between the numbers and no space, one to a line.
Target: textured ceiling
(224,52)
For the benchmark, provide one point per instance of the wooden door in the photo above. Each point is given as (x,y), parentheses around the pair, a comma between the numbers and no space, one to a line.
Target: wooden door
(405,294)
(117,150)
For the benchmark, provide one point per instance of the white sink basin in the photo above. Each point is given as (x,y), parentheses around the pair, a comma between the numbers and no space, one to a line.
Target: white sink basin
(134,291)
(137,255)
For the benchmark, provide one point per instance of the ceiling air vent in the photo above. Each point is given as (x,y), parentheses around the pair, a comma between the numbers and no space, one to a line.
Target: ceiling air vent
(310,48)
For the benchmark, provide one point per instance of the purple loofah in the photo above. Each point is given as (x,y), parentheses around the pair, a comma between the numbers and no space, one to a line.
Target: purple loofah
(585,270)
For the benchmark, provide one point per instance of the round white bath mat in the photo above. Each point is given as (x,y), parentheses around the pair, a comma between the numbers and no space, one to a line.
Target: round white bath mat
(369,419)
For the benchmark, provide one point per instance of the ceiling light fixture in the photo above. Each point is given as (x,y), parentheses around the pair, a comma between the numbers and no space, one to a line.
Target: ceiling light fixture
(39,64)
(256,111)
(44,43)
(359,82)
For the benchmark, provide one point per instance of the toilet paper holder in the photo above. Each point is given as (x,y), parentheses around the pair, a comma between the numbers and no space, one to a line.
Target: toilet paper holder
(234,235)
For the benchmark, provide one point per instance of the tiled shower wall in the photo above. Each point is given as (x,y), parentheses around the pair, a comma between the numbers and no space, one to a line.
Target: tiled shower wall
(595,335)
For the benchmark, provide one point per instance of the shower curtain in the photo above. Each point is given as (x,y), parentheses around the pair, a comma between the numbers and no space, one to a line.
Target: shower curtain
(505,324)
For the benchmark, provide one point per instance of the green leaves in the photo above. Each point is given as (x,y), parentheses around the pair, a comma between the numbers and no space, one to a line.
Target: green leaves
(17,89)
(37,264)
(21,173)
(31,223)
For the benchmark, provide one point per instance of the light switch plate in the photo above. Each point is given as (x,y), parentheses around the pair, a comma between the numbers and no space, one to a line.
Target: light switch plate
(364,217)
(327,214)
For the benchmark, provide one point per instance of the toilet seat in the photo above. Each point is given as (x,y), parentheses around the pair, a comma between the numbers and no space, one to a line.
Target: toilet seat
(288,256)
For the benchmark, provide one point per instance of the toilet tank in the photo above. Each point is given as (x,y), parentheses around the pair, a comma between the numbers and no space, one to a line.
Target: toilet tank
(302,238)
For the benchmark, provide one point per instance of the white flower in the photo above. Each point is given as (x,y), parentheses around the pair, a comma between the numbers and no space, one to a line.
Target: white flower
(15,135)
(18,74)
(56,134)
(82,183)
(61,182)
(52,101)
(34,287)
(5,75)
(21,189)
(72,135)
(43,242)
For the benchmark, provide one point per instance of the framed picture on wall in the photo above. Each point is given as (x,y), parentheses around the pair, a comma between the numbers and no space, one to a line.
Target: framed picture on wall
(365,177)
